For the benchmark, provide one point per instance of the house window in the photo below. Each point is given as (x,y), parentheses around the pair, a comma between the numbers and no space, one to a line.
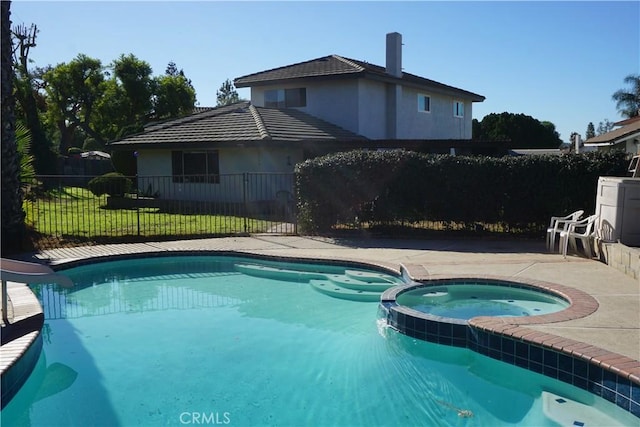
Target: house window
(458,109)
(195,166)
(285,98)
(424,103)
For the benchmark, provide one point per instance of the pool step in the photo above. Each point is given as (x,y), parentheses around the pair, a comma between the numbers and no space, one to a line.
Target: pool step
(359,284)
(370,276)
(327,287)
(267,272)
(567,412)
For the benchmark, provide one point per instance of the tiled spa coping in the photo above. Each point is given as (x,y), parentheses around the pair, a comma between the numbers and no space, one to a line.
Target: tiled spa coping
(612,376)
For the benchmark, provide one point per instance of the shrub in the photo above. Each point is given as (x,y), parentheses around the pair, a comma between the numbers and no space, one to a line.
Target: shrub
(386,186)
(112,183)
(124,162)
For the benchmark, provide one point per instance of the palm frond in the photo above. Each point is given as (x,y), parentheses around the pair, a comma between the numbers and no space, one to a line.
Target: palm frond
(23,143)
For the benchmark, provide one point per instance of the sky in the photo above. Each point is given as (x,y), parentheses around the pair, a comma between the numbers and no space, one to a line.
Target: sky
(555,61)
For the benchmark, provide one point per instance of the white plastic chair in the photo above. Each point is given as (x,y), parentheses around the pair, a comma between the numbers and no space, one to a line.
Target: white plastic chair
(583,230)
(558,224)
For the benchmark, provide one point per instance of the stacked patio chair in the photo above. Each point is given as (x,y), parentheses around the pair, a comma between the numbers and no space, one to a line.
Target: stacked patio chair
(583,230)
(559,224)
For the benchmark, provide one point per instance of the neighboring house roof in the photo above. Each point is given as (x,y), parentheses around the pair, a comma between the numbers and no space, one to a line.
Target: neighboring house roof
(237,124)
(616,136)
(95,155)
(535,151)
(338,67)
(627,121)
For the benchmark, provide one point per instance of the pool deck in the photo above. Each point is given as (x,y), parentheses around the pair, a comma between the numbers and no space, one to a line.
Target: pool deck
(610,335)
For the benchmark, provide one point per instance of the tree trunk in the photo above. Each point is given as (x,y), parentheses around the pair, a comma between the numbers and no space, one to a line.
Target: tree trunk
(12,213)
(44,156)
(41,148)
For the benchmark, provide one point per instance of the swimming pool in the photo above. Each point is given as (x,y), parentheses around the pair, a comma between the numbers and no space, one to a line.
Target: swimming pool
(197,340)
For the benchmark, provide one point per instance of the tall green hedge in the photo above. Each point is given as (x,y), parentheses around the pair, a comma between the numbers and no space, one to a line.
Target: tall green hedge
(397,185)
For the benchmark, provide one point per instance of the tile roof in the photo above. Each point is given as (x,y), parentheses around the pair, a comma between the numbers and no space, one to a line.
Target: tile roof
(616,135)
(238,123)
(335,66)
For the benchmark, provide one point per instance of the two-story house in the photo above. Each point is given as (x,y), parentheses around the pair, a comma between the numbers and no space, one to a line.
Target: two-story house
(373,101)
(296,112)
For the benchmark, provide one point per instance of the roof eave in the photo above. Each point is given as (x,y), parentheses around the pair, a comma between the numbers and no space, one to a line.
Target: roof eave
(614,141)
(433,88)
(302,79)
(474,97)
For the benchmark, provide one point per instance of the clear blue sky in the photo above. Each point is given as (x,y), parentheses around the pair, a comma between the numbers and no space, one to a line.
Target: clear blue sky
(555,61)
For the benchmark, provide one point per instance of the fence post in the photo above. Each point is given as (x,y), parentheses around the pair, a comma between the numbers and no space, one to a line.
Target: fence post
(138,203)
(245,181)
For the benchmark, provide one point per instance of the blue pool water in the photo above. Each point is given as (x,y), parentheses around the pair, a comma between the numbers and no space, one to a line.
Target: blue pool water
(204,340)
(463,301)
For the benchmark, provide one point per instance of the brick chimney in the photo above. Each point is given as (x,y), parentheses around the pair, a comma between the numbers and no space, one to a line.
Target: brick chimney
(394,54)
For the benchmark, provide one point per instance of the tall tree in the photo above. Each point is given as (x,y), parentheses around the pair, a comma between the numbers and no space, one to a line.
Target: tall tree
(111,111)
(605,126)
(227,94)
(591,131)
(26,92)
(135,77)
(73,90)
(13,227)
(628,101)
(523,131)
(174,97)
(174,94)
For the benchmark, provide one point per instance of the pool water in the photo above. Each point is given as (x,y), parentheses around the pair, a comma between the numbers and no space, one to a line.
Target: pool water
(465,301)
(192,340)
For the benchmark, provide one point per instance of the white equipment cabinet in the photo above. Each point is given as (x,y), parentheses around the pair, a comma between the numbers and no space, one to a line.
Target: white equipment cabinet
(618,208)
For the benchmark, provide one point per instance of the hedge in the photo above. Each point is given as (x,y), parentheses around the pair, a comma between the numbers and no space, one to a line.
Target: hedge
(399,186)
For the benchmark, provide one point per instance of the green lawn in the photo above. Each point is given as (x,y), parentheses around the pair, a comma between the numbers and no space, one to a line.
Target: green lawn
(76,212)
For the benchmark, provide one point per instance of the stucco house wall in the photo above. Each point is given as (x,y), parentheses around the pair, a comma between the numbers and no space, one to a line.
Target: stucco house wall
(275,165)
(361,106)
(439,123)
(371,109)
(335,102)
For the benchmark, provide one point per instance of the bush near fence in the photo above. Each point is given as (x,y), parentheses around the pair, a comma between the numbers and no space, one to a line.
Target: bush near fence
(391,187)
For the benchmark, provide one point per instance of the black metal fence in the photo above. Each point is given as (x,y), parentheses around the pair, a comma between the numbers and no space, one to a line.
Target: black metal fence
(62,207)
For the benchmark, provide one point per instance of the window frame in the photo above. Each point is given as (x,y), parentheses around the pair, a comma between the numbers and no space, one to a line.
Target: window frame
(284,98)
(456,108)
(211,164)
(421,98)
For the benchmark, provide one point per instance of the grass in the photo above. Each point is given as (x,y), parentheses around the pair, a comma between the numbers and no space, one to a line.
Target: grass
(74,212)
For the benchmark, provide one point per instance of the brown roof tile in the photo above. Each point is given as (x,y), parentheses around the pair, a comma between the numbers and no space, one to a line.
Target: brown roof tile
(335,66)
(238,123)
(616,134)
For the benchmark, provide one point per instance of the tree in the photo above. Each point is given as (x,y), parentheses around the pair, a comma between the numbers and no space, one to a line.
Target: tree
(73,90)
(111,111)
(135,77)
(227,94)
(628,101)
(26,94)
(591,131)
(604,127)
(13,226)
(523,131)
(175,95)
